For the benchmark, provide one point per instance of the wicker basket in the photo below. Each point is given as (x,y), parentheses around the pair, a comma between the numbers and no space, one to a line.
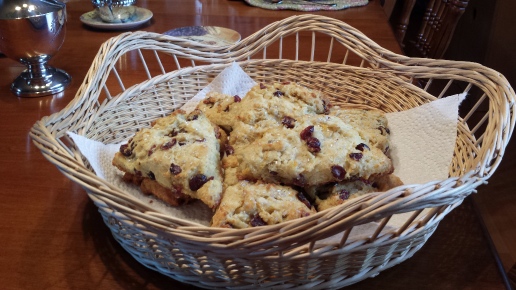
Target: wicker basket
(355,71)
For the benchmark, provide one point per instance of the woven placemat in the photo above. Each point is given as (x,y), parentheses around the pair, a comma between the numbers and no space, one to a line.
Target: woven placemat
(307,5)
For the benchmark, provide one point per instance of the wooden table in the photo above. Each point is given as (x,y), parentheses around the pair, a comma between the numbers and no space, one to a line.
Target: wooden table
(52,236)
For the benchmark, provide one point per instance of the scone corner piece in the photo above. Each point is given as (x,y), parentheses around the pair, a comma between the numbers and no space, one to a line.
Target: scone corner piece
(371,124)
(221,109)
(317,101)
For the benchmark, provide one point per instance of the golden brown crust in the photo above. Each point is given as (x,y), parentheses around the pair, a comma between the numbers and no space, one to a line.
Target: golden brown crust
(151,187)
(387,182)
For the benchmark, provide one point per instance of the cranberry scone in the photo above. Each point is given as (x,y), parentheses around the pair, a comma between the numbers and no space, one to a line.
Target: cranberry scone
(310,150)
(177,159)
(333,194)
(275,101)
(340,193)
(248,204)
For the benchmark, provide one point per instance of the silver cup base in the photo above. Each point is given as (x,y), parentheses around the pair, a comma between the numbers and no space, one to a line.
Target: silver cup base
(55,81)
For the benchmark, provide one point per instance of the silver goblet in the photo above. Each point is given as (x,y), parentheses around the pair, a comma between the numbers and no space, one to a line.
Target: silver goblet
(31,32)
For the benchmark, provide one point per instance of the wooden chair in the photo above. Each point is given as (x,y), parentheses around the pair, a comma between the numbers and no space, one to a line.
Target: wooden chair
(426,34)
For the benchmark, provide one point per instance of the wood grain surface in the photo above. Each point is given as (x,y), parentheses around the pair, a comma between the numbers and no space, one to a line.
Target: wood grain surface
(52,236)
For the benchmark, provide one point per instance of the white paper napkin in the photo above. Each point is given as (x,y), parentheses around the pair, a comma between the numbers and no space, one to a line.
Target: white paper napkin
(423,140)
(422,144)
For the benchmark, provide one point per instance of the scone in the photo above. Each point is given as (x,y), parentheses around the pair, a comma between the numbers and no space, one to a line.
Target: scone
(330,195)
(315,150)
(179,152)
(372,125)
(248,204)
(221,109)
(342,192)
(282,102)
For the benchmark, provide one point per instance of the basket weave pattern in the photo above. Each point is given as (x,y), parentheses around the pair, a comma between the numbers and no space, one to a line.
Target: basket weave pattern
(355,72)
